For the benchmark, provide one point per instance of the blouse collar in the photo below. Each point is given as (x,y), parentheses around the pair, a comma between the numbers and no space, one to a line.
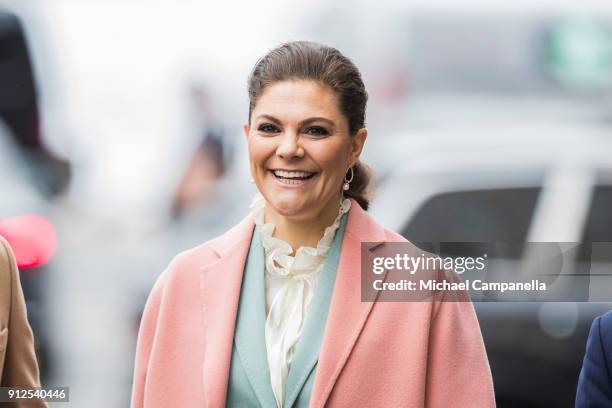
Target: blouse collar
(279,246)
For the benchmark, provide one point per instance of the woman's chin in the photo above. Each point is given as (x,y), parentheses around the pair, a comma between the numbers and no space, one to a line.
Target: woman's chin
(291,207)
(288,207)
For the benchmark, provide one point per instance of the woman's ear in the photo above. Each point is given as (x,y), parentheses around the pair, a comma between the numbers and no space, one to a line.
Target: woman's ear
(245,129)
(357,144)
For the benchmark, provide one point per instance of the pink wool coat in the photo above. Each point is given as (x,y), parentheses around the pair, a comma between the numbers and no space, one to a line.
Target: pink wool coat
(374,354)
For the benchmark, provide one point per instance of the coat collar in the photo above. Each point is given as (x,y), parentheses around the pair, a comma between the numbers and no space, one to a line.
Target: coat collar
(220,284)
(347,313)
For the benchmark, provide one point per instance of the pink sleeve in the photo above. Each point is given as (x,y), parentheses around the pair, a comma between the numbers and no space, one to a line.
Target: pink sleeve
(458,371)
(146,335)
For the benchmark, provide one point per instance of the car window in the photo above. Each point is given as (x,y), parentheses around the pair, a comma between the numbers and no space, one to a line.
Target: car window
(475,216)
(598,227)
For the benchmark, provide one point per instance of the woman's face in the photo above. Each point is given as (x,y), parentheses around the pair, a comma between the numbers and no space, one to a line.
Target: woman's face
(300,148)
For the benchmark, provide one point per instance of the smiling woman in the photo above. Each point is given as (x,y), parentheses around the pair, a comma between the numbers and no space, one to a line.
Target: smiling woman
(270,313)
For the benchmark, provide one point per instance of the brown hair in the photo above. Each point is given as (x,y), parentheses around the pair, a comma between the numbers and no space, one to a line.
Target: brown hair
(317,62)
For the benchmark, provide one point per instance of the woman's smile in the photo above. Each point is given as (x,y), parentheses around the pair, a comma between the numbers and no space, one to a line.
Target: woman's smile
(293,179)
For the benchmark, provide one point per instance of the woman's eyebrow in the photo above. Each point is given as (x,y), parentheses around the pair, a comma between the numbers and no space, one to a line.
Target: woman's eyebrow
(316,119)
(270,118)
(302,123)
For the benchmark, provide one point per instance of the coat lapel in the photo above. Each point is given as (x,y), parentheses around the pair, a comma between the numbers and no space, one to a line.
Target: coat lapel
(220,284)
(250,326)
(309,345)
(347,314)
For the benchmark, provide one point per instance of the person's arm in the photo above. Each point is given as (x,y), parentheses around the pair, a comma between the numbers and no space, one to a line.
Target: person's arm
(146,335)
(458,373)
(20,365)
(594,386)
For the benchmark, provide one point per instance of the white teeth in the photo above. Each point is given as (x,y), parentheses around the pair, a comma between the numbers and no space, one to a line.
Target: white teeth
(292,181)
(292,174)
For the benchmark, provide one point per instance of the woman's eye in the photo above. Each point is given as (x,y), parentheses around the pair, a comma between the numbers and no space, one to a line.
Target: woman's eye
(317,131)
(267,128)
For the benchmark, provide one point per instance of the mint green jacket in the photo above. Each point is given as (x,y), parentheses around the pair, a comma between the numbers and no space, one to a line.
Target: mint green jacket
(249,382)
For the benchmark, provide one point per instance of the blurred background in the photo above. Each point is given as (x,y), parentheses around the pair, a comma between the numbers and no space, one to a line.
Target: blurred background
(120,127)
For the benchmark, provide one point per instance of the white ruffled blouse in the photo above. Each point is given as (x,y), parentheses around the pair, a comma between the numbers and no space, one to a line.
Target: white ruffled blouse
(290,282)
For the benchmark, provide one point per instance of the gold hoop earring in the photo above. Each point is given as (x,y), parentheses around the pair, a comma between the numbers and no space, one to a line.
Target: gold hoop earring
(346,185)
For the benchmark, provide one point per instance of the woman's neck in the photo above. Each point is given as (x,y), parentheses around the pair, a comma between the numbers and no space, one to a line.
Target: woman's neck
(307,232)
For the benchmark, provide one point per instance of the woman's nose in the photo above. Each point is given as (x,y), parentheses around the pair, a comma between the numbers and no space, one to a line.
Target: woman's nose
(289,145)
